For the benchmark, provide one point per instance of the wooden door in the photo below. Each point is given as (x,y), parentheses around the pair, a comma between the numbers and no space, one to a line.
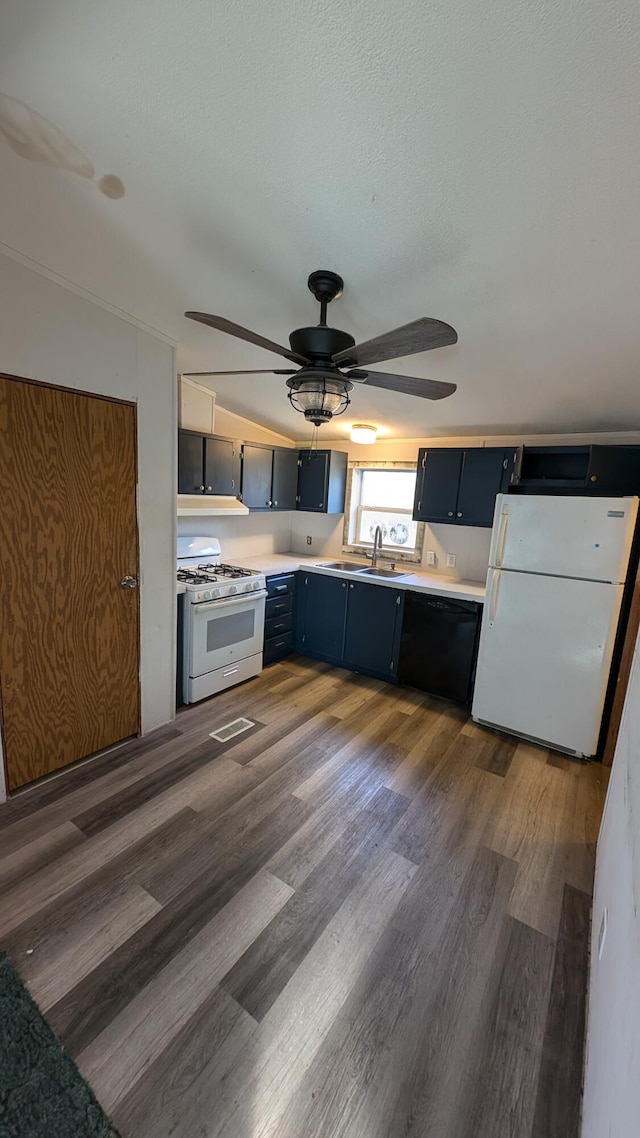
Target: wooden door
(69,632)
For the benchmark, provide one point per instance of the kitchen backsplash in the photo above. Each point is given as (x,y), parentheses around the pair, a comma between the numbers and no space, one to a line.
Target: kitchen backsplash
(469,544)
(280,532)
(240,537)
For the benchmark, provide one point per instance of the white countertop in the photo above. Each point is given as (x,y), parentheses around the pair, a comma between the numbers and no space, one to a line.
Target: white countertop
(419,581)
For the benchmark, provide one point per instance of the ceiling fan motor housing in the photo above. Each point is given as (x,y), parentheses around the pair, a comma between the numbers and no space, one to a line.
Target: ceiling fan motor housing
(319,342)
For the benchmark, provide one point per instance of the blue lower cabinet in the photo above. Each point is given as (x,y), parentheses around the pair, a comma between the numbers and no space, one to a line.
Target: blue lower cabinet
(321,616)
(374,625)
(349,623)
(279,617)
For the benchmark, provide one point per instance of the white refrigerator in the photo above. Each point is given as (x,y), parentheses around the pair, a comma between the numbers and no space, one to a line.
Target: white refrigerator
(557,569)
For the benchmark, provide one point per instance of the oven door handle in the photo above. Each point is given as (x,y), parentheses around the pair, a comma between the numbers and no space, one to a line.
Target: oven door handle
(224,603)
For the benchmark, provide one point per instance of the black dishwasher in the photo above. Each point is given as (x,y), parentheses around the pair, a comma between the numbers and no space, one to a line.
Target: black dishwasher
(439,645)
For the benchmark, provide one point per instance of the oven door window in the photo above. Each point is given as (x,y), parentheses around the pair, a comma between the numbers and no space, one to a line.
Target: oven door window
(219,635)
(226,631)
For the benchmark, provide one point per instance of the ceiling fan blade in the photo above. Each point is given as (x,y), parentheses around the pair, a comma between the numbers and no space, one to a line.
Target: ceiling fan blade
(261,371)
(420,336)
(232,329)
(407,384)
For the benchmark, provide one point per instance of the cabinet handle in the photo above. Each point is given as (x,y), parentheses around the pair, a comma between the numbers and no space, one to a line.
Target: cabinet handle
(281,588)
(280,644)
(450,514)
(320,505)
(198,487)
(459,513)
(594,478)
(233,483)
(208,489)
(350,586)
(344,584)
(279,626)
(275,503)
(269,503)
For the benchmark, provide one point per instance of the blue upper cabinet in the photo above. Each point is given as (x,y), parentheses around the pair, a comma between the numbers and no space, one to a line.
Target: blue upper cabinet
(269,477)
(322,481)
(458,486)
(207,464)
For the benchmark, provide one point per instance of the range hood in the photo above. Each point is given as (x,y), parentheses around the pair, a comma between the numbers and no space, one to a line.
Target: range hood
(209,505)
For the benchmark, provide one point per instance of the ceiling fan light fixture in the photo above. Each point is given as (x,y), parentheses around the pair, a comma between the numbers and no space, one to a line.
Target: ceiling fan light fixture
(363,433)
(319,396)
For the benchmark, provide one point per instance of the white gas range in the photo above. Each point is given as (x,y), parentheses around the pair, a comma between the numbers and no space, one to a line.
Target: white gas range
(223,619)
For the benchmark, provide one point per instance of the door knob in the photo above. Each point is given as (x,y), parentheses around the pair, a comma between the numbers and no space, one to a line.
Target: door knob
(129,582)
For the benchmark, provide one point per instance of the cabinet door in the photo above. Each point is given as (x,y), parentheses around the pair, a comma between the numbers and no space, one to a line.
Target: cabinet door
(285,479)
(440,478)
(257,463)
(313,479)
(481,480)
(373,623)
(190,463)
(321,611)
(219,467)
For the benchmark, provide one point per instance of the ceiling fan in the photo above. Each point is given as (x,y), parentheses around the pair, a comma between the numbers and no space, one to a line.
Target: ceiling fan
(330,362)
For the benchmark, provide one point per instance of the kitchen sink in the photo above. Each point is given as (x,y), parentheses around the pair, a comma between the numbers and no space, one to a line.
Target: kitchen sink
(371,572)
(345,566)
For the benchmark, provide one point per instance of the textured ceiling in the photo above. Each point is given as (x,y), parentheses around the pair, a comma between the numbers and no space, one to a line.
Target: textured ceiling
(474,162)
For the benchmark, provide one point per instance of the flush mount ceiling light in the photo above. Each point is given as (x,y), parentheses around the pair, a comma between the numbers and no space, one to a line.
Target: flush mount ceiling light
(363,433)
(329,362)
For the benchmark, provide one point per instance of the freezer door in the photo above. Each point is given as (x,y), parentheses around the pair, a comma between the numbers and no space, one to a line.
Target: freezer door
(545,653)
(565,537)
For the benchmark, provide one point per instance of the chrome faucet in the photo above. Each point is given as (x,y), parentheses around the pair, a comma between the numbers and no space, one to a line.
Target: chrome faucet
(377,546)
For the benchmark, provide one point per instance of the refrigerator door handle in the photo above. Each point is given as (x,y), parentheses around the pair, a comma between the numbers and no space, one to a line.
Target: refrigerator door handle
(494,590)
(502,536)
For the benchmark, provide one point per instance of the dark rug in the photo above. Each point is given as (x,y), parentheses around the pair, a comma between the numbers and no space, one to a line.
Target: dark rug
(42,1093)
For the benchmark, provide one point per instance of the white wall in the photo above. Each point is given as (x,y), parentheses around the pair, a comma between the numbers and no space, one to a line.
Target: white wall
(50,333)
(245,536)
(612,1080)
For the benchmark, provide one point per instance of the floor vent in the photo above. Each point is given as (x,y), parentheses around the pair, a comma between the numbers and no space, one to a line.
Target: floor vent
(223,734)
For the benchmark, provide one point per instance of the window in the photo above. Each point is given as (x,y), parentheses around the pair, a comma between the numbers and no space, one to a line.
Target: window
(383,496)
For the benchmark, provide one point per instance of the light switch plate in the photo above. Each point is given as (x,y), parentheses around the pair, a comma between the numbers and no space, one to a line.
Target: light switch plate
(451,560)
(431,559)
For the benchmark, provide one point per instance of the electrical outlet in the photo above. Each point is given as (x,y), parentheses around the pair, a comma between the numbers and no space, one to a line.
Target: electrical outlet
(431,559)
(602,935)
(451,560)
(308,541)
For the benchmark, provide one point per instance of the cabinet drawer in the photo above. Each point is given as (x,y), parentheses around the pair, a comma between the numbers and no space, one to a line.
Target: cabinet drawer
(278,606)
(281,586)
(277,647)
(278,625)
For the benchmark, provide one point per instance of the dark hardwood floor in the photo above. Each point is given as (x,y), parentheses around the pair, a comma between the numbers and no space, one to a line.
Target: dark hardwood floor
(365,917)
